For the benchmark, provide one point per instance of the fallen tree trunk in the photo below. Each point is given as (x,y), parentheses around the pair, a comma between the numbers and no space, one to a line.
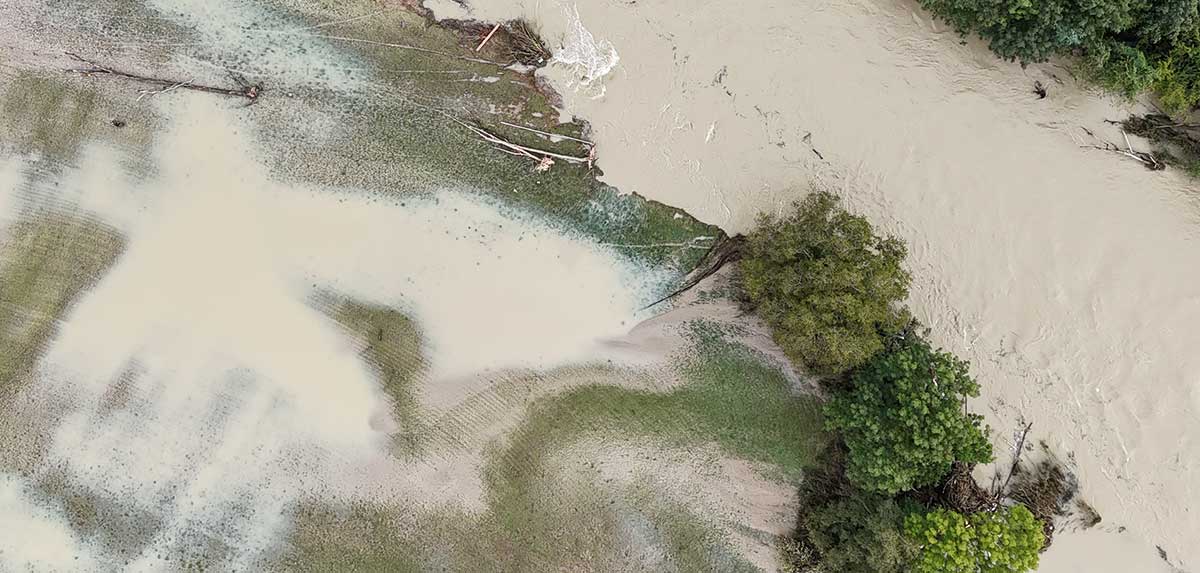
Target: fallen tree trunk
(725,251)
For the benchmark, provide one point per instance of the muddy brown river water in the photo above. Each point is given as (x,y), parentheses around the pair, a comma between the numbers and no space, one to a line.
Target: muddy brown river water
(1069,277)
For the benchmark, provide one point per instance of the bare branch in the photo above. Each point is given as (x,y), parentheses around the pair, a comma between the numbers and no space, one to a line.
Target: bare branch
(489,37)
(531,152)
(548,134)
(1152,163)
(1020,448)
(247,91)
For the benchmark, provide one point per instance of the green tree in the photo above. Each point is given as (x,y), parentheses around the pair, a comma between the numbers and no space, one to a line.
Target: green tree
(1003,541)
(860,533)
(1164,21)
(1178,78)
(826,283)
(903,420)
(1122,69)
(1034,30)
(1129,46)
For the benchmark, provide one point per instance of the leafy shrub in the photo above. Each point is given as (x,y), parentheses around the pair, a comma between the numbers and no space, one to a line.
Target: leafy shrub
(1034,30)
(1164,21)
(843,529)
(797,555)
(902,419)
(861,533)
(1122,69)
(826,283)
(1002,541)
(1129,45)
(1178,81)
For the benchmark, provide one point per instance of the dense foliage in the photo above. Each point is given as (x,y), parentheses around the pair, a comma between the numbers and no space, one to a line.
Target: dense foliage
(1177,78)
(903,420)
(860,533)
(826,283)
(1128,45)
(1123,69)
(1034,30)
(831,290)
(1003,541)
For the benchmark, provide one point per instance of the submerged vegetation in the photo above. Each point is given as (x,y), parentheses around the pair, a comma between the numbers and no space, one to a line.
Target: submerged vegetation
(731,398)
(826,282)
(1176,143)
(544,516)
(390,343)
(896,403)
(394,148)
(525,43)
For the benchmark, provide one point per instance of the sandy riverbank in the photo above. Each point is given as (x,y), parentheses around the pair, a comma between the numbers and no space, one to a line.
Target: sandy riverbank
(1068,276)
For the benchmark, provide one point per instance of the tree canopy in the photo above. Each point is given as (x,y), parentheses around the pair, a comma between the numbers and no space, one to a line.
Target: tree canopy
(826,283)
(1034,30)
(1128,45)
(903,420)
(1003,541)
(860,533)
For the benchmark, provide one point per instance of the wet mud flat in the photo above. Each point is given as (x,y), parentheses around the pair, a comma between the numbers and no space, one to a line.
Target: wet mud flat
(333,326)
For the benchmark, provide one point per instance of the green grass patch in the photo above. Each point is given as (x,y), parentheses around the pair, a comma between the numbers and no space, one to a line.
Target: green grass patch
(53,117)
(46,262)
(390,342)
(691,543)
(40,115)
(541,517)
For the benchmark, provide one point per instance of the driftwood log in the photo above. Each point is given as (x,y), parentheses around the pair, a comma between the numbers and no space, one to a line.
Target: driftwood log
(724,251)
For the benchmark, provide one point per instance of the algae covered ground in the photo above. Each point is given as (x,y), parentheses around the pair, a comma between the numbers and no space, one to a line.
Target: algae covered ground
(337,330)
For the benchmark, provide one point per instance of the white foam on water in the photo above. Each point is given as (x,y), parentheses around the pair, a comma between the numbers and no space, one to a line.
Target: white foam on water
(590,59)
(210,393)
